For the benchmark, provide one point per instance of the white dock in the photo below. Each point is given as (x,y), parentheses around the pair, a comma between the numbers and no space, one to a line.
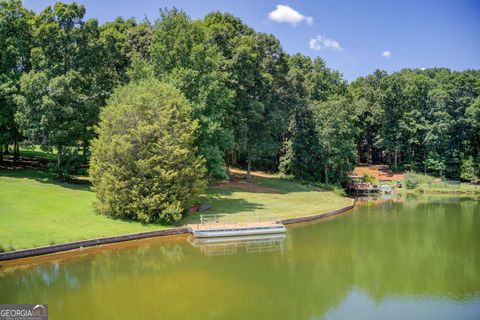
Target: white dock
(212,226)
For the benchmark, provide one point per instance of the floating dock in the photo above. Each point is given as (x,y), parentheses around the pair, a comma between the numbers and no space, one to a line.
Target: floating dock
(213,226)
(233,245)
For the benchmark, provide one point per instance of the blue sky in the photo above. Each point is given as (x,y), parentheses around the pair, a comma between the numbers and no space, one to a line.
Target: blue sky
(354,37)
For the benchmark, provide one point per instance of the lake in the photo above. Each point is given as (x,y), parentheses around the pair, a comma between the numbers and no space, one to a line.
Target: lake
(416,257)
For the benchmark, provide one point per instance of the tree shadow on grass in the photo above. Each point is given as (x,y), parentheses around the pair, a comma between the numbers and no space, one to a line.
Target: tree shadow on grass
(44,176)
(221,204)
(268,185)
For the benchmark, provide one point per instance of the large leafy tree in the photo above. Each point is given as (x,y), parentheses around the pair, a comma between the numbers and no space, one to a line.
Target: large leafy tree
(52,112)
(15,42)
(53,100)
(266,135)
(181,55)
(413,124)
(471,160)
(143,163)
(310,83)
(254,68)
(75,66)
(446,136)
(333,120)
(301,148)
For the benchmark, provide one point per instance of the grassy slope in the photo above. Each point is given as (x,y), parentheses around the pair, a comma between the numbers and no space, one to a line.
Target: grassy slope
(292,200)
(37,210)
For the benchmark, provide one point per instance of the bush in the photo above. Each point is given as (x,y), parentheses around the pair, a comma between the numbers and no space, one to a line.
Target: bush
(144,165)
(368,178)
(340,191)
(467,170)
(70,164)
(411,180)
(337,189)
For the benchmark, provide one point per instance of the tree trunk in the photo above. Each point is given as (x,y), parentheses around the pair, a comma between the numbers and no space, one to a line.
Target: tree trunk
(59,161)
(227,164)
(15,151)
(1,153)
(326,172)
(85,151)
(396,158)
(234,157)
(249,174)
(6,150)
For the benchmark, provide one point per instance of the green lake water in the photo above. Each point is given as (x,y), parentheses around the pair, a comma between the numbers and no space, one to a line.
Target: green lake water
(413,258)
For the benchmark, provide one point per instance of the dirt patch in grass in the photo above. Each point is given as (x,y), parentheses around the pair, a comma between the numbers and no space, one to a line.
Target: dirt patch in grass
(23,163)
(238,181)
(380,172)
(240,172)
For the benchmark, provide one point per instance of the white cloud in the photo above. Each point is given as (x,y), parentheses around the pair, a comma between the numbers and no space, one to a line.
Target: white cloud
(386,54)
(288,15)
(321,42)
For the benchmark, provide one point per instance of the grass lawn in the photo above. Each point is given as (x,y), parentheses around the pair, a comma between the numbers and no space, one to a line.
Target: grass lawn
(271,195)
(37,210)
(446,188)
(427,183)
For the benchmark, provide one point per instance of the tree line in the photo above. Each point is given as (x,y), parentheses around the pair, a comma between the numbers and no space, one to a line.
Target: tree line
(256,106)
(422,120)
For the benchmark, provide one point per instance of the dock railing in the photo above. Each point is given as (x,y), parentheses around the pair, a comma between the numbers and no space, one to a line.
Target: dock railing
(223,221)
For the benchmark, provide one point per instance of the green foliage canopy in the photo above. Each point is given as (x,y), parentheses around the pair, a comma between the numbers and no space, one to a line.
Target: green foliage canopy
(143,163)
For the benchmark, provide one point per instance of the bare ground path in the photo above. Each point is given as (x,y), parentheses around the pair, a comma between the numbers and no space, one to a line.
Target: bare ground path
(380,172)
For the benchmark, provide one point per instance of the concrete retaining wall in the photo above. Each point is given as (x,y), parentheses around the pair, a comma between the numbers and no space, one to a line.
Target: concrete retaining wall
(318,216)
(88,243)
(135,236)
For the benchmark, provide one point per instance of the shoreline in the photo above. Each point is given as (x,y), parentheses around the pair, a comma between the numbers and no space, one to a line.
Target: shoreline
(79,245)
(440,192)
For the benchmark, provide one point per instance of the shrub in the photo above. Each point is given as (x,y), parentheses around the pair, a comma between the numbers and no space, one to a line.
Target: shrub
(467,170)
(333,187)
(369,178)
(70,164)
(340,191)
(411,180)
(144,165)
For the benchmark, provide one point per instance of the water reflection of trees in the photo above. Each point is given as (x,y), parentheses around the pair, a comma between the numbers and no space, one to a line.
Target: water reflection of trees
(415,249)
(411,249)
(54,281)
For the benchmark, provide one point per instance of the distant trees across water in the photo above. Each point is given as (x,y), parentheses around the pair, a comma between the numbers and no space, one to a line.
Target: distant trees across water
(425,120)
(255,105)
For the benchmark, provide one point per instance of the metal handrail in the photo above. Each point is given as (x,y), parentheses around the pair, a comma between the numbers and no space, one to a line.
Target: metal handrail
(226,221)
(227,218)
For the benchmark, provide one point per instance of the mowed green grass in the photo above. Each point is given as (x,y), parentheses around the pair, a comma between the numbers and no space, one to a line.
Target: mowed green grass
(286,199)
(36,210)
